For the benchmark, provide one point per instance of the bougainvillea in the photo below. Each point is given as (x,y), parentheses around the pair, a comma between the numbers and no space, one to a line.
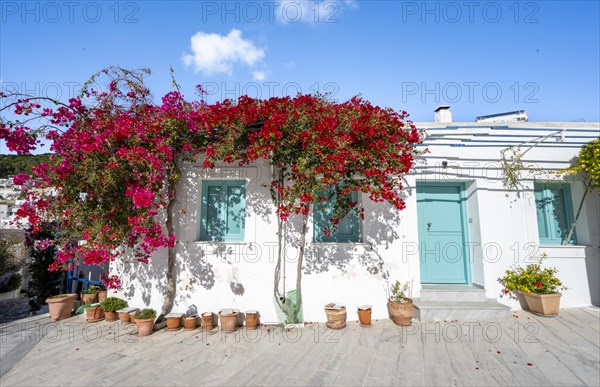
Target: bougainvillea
(111,184)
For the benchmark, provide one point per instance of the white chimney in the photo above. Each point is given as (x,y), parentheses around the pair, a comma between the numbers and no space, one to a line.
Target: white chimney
(442,114)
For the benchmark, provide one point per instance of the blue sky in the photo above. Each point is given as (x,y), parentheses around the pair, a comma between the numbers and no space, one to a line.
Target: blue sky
(480,57)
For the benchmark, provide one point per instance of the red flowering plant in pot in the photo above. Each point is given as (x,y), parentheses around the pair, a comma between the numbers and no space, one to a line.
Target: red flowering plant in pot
(539,287)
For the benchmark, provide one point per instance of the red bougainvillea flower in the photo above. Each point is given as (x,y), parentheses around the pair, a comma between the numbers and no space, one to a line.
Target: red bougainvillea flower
(506,291)
(20,179)
(539,285)
(117,156)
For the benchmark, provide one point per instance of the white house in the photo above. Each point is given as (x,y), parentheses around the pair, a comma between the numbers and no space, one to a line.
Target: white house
(461,230)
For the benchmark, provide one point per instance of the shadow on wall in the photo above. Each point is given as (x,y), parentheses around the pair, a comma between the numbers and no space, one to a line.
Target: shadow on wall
(592,266)
(379,231)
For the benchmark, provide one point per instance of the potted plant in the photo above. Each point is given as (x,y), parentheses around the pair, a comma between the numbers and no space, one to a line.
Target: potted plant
(90,295)
(336,316)
(111,305)
(145,321)
(94,312)
(364,316)
(539,287)
(61,306)
(190,322)
(400,305)
(174,321)
(228,319)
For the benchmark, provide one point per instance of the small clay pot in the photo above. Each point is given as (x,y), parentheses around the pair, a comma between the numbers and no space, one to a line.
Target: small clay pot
(102,295)
(132,318)
(88,299)
(336,318)
(61,307)
(124,317)
(228,321)
(208,321)
(364,317)
(94,314)
(401,313)
(251,319)
(145,326)
(111,316)
(173,323)
(190,322)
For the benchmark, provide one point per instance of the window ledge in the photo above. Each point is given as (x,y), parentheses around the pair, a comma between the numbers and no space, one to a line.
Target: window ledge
(564,246)
(570,251)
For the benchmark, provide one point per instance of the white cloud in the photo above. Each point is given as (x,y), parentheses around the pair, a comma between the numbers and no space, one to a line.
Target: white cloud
(312,11)
(259,75)
(214,53)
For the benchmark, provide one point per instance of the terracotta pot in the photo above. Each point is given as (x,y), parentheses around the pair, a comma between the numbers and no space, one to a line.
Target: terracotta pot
(124,317)
(208,321)
(94,314)
(336,318)
(544,304)
(173,323)
(102,295)
(145,326)
(60,307)
(364,317)
(228,321)
(111,316)
(87,299)
(251,320)
(132,317)
(190,322)
(401,313)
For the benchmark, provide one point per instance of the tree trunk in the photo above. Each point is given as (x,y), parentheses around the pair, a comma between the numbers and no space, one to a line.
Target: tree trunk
(277,276)
(171,275)
(301,261)
(587,188)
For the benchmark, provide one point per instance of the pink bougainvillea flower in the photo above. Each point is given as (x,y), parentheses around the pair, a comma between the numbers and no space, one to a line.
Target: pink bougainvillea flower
(21,178)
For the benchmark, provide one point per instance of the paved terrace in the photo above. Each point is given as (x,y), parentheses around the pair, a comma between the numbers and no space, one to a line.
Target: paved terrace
(522,350)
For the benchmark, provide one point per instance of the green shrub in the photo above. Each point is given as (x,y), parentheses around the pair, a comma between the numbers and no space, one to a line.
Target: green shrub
(13,283)
(91,290)
(532,279)
(9,259)
(145,314)
(42,282)
(112,304)
(399,292)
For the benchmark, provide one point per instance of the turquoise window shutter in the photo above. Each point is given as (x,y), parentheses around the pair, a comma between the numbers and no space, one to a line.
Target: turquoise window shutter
(222,212)
(347,230)
(554,212)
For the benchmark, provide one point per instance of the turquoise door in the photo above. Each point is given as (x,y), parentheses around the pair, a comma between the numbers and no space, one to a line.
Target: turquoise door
(443,249)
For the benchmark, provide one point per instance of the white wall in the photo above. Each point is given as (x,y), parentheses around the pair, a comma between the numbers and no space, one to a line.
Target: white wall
(212,275)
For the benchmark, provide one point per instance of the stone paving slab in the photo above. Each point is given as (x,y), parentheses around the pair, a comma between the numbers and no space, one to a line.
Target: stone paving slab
(521,350)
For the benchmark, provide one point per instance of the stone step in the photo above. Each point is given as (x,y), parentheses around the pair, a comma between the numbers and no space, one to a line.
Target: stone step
(452,293)
(459,310)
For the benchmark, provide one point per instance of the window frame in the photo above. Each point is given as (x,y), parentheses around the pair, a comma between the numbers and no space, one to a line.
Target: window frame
(549,223)
(318,227)
(224,184)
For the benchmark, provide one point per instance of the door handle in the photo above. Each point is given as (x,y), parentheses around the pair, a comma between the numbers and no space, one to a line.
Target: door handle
(428,226)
